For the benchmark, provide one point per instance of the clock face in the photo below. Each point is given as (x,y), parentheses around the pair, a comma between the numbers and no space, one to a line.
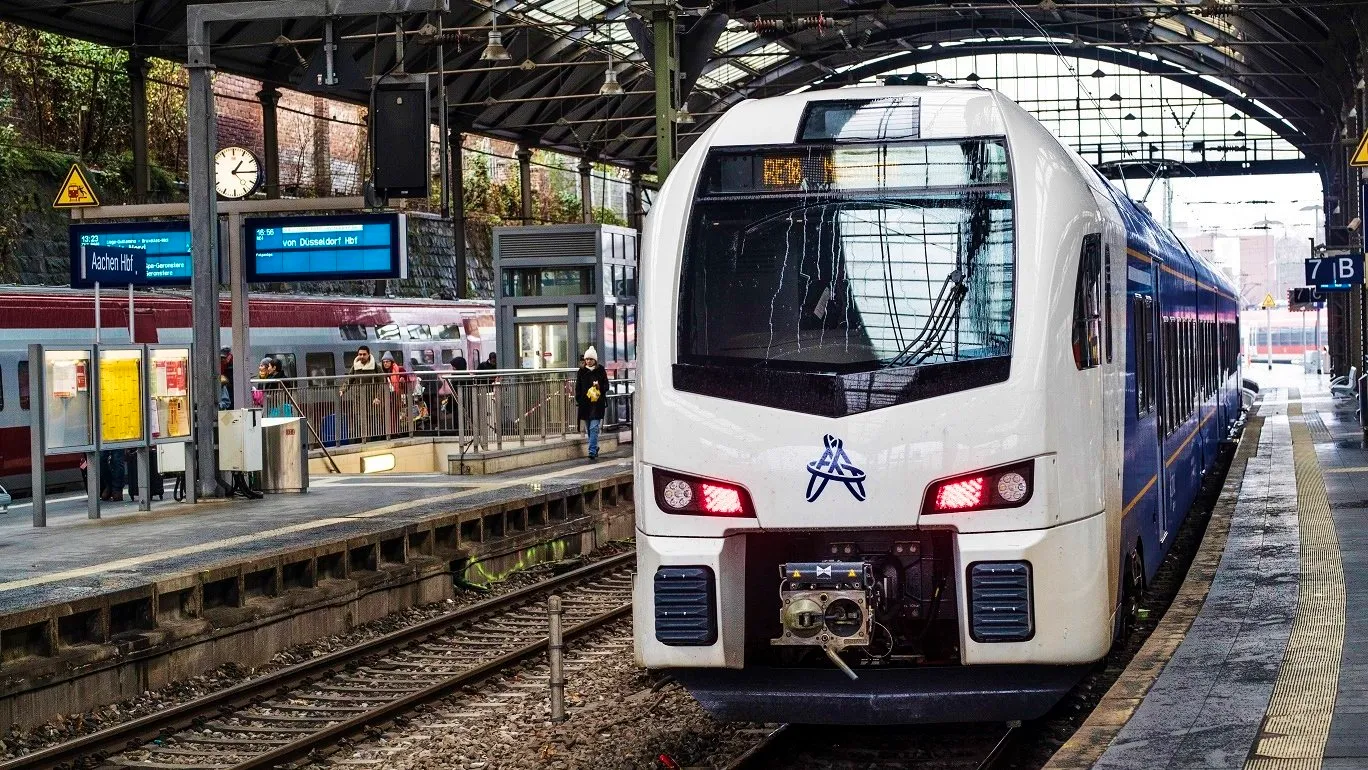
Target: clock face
(237,172)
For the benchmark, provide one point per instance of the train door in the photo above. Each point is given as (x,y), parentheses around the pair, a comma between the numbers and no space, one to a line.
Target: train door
(1163,376)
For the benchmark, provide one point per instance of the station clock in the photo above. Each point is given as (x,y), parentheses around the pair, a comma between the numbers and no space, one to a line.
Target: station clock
(237,173)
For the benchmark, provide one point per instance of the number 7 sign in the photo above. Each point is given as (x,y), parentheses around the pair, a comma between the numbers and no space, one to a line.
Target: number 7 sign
(1335,270)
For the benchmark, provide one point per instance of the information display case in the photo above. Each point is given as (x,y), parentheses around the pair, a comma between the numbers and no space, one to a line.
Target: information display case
(168,380)
(68,403)
(122,395)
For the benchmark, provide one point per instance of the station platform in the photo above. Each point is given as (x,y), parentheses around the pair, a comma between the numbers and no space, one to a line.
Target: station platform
(1261,661)
(95,610)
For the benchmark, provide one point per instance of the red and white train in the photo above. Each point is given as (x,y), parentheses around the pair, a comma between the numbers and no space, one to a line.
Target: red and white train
(311,336)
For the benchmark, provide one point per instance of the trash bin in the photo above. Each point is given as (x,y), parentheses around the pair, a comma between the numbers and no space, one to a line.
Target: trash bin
(285,461)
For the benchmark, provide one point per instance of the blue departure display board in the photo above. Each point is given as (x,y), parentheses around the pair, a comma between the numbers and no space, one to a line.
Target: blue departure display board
(339,247)
(167,245)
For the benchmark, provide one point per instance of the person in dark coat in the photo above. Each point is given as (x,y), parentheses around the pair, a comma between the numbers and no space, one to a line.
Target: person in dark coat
(591,396)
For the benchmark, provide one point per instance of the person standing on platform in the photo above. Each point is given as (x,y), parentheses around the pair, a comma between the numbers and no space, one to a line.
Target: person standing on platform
(364,383)
(400,390)
(112,475)
(591,396)
(226,378)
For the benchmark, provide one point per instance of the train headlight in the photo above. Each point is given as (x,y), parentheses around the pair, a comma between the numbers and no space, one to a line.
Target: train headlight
(1012,487)
(678,493)
(1007,486)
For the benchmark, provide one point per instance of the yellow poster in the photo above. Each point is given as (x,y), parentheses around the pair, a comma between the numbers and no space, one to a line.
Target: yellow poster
(120,402)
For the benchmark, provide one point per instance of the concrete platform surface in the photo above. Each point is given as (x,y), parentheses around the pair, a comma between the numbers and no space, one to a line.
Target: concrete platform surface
(75,558)
(1273,672)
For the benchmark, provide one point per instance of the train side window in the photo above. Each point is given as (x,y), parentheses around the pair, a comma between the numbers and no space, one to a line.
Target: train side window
(1144,347)
(23,372)
(1087,307)
(387,332)
(1107,298)
(353,332)
(320,364)
(2,388)
(287,364)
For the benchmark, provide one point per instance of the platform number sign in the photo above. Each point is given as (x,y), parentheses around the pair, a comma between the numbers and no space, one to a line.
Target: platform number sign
(1335,272)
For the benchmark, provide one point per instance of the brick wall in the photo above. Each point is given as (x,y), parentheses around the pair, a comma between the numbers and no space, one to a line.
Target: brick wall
(322,142)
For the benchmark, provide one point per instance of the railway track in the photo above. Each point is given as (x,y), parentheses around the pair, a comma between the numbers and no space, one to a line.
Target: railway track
(936,747)
(292,713)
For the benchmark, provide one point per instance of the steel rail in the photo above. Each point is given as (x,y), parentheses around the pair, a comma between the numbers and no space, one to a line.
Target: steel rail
(332,734)
(133,734)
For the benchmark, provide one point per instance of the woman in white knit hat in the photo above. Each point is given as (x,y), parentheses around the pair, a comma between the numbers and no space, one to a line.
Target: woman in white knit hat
(591,395)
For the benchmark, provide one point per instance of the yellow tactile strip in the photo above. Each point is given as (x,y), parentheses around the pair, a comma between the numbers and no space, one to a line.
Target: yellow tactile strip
(1298,718)
(1091,740)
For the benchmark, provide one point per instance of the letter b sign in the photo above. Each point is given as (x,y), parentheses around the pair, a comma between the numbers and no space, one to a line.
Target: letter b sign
(1335,271)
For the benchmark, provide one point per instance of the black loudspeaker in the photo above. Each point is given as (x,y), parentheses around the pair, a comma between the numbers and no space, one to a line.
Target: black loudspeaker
(400,128)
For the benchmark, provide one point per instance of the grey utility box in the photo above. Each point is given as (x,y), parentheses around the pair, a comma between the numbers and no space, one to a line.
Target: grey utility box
(285,457)
(562,288)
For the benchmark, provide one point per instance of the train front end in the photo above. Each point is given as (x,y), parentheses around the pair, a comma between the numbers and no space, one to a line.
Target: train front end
(870,482)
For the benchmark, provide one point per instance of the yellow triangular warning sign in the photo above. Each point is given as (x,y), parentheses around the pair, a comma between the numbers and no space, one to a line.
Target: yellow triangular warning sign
(76,192)
(1360,156)
(1268,303)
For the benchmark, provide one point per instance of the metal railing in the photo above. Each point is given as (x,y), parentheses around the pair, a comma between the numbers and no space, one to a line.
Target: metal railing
(483,409)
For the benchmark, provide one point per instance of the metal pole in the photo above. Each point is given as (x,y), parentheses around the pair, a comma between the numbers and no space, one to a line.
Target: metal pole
(204,250)
(663,31)
(37,436)
(456,175)
(1268,330)
(270,139)
(555,652)
(93,469)
(137,87)
(242,319)
(130,314)
(586,175)
(525,182)
(97,311)
(1320,365)
(443,144)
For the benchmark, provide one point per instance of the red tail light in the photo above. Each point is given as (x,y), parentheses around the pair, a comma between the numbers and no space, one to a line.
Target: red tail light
(1008,486)
(677,493)
(963,495)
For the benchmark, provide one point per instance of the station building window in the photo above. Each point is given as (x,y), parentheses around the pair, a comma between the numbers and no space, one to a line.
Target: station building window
(23,372)
(547,282)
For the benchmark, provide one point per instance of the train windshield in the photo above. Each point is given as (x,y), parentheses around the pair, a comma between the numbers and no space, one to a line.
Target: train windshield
(850,258)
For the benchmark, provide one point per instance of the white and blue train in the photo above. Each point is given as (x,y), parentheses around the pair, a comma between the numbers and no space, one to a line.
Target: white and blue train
(922,403)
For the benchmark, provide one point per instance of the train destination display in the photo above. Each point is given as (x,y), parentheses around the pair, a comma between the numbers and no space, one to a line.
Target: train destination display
(344,247)
(167,245)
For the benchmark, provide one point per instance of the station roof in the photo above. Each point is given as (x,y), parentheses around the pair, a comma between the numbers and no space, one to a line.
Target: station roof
(1291,66)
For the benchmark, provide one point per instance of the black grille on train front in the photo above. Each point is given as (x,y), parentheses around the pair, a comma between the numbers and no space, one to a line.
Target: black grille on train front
(1000,601)
(685,606)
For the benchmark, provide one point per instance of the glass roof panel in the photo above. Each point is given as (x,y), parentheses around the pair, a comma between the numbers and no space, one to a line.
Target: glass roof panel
(1125,115)
(731,38)
(765,57)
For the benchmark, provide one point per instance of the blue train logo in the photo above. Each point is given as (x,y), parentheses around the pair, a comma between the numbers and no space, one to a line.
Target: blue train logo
(835,465)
